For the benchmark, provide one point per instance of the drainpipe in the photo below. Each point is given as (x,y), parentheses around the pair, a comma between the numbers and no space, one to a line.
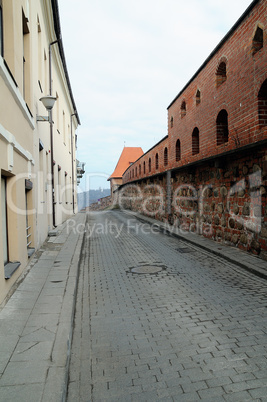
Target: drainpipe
(51,133)
(72,167)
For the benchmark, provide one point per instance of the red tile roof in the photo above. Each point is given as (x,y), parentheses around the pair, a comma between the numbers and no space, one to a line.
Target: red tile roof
(128,156)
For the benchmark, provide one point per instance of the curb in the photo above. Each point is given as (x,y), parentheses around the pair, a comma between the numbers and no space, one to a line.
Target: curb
(69,342)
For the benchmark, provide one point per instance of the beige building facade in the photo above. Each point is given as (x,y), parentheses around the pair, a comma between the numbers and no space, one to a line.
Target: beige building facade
(37,147)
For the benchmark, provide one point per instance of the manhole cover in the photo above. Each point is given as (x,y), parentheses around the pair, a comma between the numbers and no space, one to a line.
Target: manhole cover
(184,250)
(148,269)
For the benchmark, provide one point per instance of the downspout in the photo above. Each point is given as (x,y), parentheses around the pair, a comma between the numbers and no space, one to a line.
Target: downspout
(72,167)
(51,133)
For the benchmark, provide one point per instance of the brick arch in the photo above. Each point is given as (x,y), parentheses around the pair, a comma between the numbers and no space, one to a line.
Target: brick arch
(178,150)
(183,108)
(195,141)
(222,127)
(165,156)
(221,71)
(256,41)
(198,96)
(157,161)
(262,104)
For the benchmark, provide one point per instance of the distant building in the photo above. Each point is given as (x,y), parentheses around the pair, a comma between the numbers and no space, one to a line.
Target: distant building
(37,153)
(128,156)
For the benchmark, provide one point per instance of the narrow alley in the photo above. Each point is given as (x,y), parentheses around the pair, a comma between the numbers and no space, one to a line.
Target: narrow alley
(161,319)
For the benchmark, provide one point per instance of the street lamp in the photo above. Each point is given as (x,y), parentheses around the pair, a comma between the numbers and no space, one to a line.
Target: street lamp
(48,101)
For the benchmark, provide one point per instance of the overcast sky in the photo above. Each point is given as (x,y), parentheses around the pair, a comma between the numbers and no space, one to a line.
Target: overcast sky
(127,60)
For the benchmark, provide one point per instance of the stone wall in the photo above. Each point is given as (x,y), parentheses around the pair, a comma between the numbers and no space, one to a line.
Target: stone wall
(223,199)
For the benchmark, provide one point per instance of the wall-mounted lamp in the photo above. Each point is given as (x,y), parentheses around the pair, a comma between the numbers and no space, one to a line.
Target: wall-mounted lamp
(48,102)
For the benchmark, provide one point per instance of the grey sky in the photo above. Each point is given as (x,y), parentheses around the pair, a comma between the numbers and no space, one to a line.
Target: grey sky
(127,60)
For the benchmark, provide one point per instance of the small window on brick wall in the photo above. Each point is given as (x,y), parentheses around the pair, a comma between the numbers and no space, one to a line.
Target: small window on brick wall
(183,109)
(171,121)
(222,127)
(262,105)
(257,42)
(165,156)
(198,97)
(144,167)
(139,169)
(178,150)
(221,74)
(195,141)
(157,161)
(136,171)
(149,165)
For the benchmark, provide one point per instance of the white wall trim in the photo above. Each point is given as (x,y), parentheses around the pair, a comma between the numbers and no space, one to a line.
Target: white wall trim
(10,139)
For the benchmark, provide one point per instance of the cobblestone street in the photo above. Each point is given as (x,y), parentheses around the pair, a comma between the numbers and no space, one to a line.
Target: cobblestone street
(194,330)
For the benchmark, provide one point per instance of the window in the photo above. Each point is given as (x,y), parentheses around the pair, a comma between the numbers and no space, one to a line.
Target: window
(139,169)
(222,127)
(221,74)
(198,97)
(165,156)
(136,171)
(178,151)
(149,165)
(195,141)
(171,121)
(157,160)
(1,31)
(144,167)
(257,42)
(183,109)
(262,104)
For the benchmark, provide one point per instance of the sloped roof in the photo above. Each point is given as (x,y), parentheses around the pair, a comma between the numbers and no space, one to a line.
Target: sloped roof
(128,156)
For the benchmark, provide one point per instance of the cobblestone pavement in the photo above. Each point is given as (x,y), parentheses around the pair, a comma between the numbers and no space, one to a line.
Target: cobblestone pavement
(196,330)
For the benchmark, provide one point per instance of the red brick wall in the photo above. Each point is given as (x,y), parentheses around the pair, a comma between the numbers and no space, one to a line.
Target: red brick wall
(238,95)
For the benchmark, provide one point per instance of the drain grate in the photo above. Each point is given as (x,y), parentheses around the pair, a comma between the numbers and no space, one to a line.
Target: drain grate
(148,269)
(184,250)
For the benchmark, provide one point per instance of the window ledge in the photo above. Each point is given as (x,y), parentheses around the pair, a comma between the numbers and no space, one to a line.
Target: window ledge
(10,268)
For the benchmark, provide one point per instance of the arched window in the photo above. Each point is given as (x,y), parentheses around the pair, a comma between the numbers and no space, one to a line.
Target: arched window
(178,150)
(262,105)
(144,167)
(149,165)
(183,109)
(257,42)
(172,121)
(165,156)
(136,171)
(222,127)
(195,141)
(221,74)
(157,160)
(139,169)
(198,97)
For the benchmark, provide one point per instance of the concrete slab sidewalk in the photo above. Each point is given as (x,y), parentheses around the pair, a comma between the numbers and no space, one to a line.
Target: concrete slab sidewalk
(243,259)
(36,322)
